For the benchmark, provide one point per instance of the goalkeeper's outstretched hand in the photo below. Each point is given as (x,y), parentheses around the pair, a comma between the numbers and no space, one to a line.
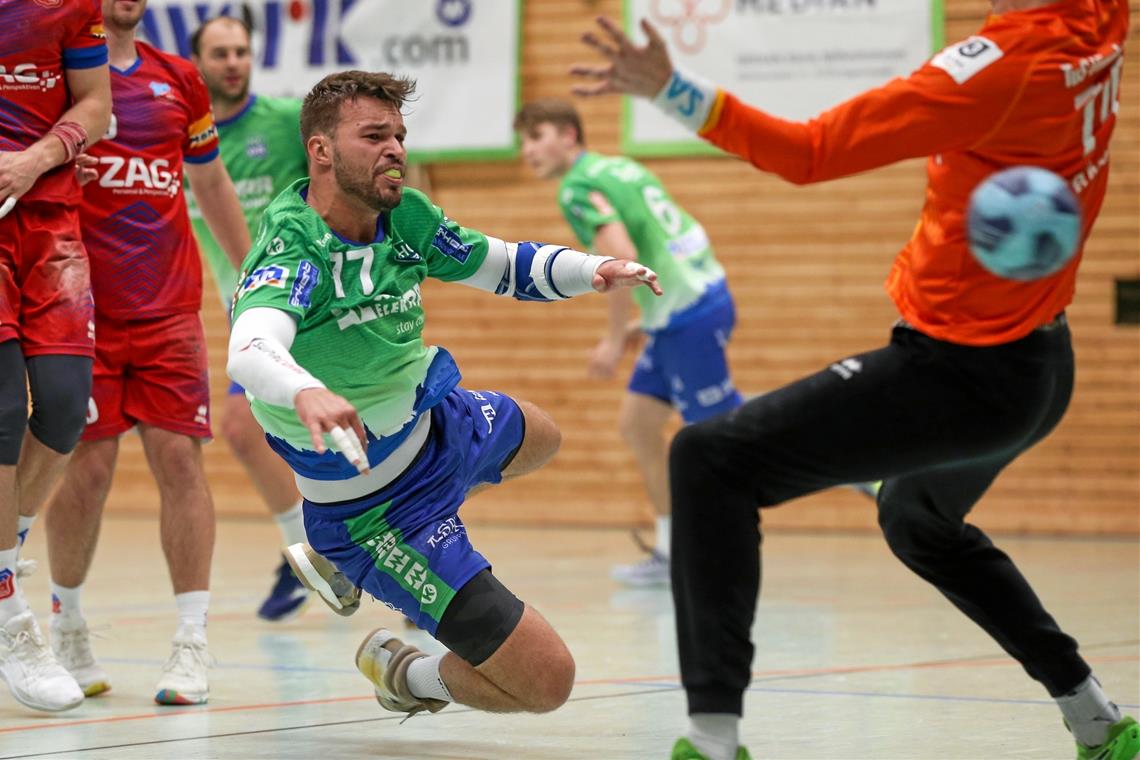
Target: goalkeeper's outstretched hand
(631,70)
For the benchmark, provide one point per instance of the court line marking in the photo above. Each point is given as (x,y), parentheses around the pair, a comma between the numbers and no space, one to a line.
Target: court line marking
(658,689)
(658,683)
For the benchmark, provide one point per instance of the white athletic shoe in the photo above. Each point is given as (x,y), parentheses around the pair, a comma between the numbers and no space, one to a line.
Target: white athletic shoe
(71,644)
(31,672)
(383,659)
(651,571)
(318,574)
(184,680)
(25,567)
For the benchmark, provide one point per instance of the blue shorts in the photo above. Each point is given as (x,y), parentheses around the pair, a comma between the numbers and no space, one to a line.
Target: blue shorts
(405,544)
(687,367)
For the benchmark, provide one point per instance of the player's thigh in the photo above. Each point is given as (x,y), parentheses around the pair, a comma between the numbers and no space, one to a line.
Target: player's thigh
(641,416)
(540,442)
(168,386)
(56,308)
(907,407)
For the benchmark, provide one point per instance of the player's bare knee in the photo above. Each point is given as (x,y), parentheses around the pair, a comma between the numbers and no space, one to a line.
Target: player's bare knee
(552,688)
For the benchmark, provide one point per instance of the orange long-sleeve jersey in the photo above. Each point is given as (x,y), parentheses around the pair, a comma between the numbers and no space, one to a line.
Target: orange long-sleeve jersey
(1038,87)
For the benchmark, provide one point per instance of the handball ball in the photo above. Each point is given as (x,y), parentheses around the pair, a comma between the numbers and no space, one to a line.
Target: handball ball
(1023,223)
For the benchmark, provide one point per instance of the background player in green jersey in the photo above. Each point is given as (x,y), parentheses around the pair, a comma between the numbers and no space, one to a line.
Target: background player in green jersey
(618,208)
(385,445)
(260,143)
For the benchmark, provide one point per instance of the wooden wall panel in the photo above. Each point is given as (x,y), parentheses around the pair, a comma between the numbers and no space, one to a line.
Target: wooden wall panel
(806,266)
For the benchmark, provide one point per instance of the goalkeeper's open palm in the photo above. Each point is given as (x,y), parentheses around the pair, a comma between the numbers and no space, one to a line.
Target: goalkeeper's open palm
(622,273)
(631,69)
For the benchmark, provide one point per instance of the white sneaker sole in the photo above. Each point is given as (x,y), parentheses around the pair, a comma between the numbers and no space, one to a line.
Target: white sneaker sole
(303,560)
(42,706)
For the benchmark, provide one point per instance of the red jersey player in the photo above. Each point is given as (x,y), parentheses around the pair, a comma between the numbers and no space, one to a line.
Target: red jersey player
(150,357)
(978,369)
(54,94)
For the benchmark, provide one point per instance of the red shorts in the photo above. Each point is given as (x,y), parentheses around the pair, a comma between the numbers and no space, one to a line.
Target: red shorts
(45,281)
(151,371)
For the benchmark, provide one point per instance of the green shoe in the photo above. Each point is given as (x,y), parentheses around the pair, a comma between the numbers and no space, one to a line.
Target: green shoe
(684,750)
(1123,743)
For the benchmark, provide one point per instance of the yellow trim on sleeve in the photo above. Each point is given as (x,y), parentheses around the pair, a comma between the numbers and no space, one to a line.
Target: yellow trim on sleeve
(714,114)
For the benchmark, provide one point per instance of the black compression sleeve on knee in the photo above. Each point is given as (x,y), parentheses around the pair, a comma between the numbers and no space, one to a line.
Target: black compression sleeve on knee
(61,388)
(13,401)
(480,618)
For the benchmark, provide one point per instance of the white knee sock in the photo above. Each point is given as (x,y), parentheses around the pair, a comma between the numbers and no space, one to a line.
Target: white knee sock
(1088,712)
(25,524)
(12,600)
(424,680)
(292,525)
(717,735)
(192,608)
(64,600)
(664,529)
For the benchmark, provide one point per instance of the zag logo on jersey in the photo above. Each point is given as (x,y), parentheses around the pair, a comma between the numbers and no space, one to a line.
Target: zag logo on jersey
(25,76)
(273,276)
(137,176)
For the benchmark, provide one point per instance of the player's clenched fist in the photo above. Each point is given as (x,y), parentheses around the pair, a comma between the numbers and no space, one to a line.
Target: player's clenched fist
(322,411)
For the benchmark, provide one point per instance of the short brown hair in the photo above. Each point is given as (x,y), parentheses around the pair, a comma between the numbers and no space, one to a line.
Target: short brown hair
(550,111)
(321,108)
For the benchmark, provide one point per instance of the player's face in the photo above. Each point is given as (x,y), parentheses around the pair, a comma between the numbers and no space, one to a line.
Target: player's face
(368,155)
(549,150)
(225,61)
(123,14)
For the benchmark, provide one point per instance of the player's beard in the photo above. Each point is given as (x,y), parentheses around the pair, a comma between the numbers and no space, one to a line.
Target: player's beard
(218,94)
(359,182)
(125,21)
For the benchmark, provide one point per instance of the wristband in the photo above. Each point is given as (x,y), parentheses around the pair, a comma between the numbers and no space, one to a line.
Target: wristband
(687,98)
(73,136)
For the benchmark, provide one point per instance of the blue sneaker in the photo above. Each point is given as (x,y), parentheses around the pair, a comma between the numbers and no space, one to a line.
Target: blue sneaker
(286,599)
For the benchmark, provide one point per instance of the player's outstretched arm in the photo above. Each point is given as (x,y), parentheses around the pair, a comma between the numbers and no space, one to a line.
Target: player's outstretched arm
(949,104)
(259,360)
(539,272)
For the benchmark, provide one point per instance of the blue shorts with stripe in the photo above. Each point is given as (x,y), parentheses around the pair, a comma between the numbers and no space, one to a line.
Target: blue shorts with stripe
(685,364)
(405,544)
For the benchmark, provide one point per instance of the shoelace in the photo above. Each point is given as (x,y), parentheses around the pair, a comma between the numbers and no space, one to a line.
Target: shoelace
(75,645)
(184,656)
(31,650)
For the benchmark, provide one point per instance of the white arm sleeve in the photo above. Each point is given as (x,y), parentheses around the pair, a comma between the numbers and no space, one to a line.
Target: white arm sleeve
(259,358)
(535,272)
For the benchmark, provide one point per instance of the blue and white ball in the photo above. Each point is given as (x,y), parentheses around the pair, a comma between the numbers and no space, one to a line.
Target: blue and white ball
(1023,223)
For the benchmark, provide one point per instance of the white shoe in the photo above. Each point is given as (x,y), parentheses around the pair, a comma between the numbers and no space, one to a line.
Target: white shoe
(71,644)
(184,679)
(651,571)
(383,659)
(318,574)
(31,672)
